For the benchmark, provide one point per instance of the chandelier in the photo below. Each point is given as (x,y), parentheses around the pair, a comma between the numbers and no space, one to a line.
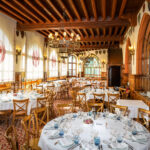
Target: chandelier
(55,41)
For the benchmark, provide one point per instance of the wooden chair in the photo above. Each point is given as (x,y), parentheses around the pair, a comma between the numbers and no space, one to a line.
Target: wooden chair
(112,98)
(98,106)
(81,101)
(41,118)
(122,109)
(5,115)
(41,102)
(99,98)
(64,108)
(144,117)
(20,109)
(11,137)
(31,134)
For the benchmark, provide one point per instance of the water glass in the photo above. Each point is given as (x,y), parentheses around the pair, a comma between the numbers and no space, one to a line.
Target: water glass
(119,139)
(61,132)
(76,139)
(97,141)
(56,125)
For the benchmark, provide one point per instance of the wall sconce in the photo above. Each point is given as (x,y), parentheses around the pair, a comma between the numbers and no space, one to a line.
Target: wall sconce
(18,53)
(103,62)
(45,58)
(132,49)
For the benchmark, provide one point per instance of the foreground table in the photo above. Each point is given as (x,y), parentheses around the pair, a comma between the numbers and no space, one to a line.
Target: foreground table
(108,129)
(133,106)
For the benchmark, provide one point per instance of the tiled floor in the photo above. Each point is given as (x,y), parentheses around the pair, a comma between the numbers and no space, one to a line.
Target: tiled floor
(20,132)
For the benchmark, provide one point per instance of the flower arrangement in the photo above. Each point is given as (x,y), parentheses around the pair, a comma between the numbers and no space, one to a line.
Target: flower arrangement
(88,121)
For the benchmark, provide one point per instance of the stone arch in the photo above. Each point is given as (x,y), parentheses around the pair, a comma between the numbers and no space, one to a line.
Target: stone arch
(140,41)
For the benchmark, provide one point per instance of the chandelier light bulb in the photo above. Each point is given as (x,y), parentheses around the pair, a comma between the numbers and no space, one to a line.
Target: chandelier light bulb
(56,34)
(72,34)
(64,34)
(50,35)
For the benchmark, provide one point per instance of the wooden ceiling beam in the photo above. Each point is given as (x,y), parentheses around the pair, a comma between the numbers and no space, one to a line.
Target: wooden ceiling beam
(75,9)
(104,31)
(69,34)
(80,33)
(103,7)
(84,9)
(113,10)
(65,9)
(46,10)
(123,5)
(86,33)
(116,30)
(110,31)
(55,9)
(42,33)
(28,10)
(97,30)
(37,10)
(88,47)
(121,31)
(8,3)
(101,38)
(14,14)
(74,25)
(92,33)
(94,9)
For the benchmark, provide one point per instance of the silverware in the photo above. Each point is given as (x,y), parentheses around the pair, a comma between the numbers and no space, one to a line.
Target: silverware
(131,147)
(73,146)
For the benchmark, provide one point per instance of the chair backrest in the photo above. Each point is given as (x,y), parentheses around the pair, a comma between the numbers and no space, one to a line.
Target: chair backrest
(144,117)
(81,97)
(28,124)
(122,109)
(113,97)
(21,105)
(41,117)
(11,137)
(98,106)
(98,98)
(41,102)
(64,108)
(50,87)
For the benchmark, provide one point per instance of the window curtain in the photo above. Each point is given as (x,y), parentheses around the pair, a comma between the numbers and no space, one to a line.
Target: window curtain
(34,63)
(6,59)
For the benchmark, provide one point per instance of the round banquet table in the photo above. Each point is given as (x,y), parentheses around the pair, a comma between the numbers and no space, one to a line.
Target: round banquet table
(108,129)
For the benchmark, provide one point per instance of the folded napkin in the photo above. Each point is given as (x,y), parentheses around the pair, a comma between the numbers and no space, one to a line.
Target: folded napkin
(53,134)
(111,115)
(139,128)
(119,146)
(66,142)
(139,138)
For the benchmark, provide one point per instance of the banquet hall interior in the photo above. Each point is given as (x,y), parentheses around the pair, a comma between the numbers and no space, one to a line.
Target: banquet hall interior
(74,74)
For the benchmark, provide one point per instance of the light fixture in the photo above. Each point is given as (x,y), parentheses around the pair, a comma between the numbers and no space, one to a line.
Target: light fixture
(45,57)
(18,53)
(103,62)
(132,49)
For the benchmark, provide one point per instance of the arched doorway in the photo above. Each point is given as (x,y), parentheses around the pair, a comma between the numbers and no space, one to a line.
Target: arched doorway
(143,50)
(91,66)
(128,57)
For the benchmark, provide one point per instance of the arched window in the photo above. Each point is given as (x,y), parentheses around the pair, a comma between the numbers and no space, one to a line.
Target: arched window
(72,62)
(53,64)
(6,58)
(35,63)
(91,67)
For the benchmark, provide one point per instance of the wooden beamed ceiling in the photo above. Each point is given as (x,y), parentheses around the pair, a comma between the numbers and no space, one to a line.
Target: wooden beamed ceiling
(100,23)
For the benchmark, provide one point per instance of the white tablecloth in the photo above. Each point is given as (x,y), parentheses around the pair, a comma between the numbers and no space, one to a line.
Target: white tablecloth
(6,102)
(106,128)
(133,106)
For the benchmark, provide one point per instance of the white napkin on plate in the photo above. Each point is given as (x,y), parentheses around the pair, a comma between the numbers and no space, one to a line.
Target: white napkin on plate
(139,138)
(139,128)
(119,146)
(66,141)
